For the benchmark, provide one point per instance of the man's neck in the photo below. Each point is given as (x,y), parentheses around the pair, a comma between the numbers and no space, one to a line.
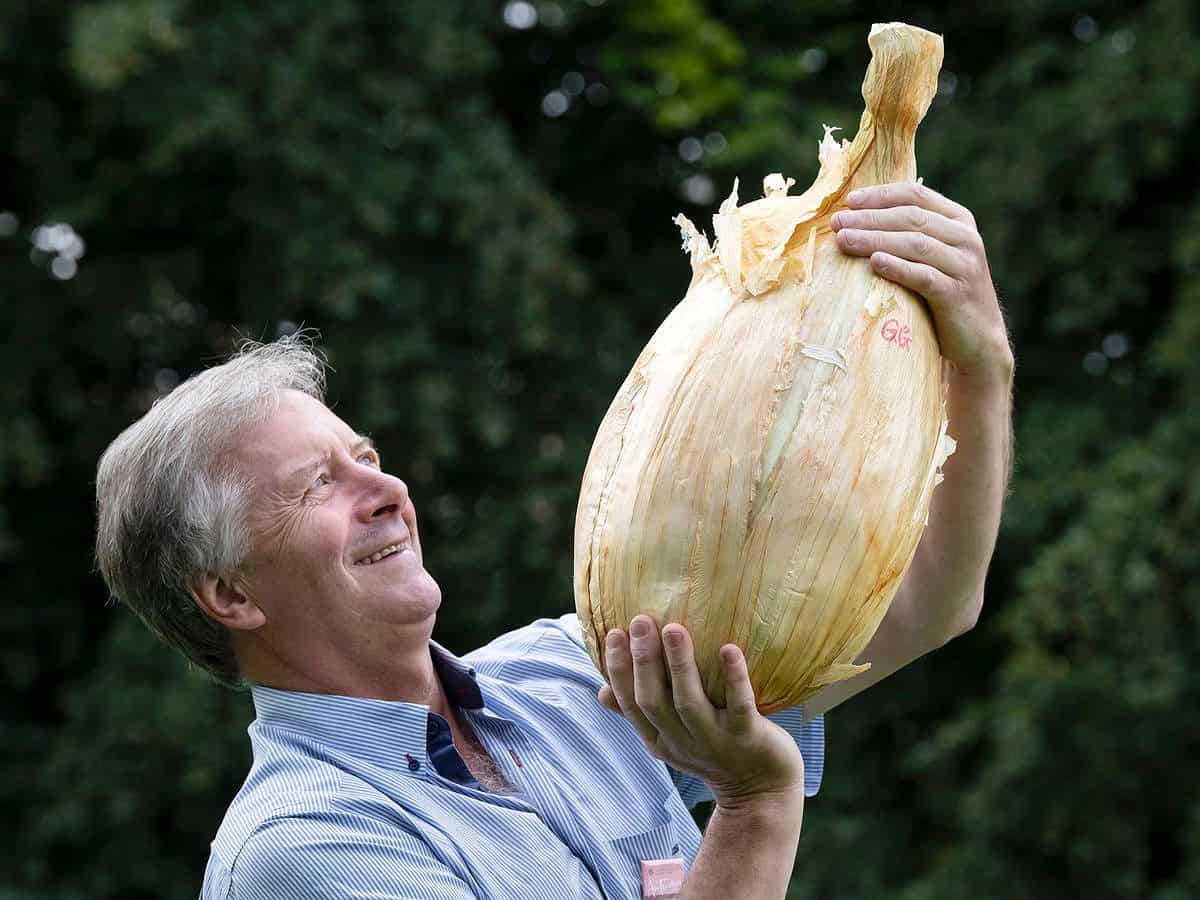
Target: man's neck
(397,669)
(409,677)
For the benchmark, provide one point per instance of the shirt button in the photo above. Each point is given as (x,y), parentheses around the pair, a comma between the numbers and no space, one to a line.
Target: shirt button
(414,765)
(675,849)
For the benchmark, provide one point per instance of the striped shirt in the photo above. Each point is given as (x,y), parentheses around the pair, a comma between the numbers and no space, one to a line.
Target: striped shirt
(355,798)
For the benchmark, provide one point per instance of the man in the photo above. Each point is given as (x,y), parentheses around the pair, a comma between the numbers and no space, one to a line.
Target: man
(259,534)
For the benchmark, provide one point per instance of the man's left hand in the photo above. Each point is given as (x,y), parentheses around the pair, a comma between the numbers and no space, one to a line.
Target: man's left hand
(931,245)
(919,239)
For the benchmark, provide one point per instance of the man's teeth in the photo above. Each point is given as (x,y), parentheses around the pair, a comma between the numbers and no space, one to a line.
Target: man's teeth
(386,551)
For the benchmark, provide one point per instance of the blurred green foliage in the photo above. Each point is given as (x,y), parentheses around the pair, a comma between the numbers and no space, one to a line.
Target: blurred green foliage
(472,202)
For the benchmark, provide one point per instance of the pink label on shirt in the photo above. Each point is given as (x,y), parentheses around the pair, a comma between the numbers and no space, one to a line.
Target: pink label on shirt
(662,879)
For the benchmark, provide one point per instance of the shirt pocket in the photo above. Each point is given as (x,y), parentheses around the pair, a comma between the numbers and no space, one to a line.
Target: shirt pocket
(659,842)
(662,841)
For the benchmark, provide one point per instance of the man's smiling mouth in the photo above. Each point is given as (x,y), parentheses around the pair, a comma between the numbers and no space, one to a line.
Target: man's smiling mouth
(390,550)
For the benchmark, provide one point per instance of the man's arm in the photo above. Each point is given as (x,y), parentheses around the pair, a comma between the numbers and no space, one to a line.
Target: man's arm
(930,244)
(751,765)
(748,852)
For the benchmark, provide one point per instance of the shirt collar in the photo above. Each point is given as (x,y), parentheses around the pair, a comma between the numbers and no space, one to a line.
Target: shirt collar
(458,677)
(379,731)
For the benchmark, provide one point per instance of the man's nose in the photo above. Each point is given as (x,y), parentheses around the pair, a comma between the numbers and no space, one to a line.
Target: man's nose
(387,496)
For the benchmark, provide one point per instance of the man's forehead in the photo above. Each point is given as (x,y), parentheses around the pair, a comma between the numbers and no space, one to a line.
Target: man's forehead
(300,430)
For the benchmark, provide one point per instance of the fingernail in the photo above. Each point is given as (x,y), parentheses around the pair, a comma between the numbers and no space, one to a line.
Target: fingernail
(836,221)
(672,638)
(614,639)
(639,628)
(854,196)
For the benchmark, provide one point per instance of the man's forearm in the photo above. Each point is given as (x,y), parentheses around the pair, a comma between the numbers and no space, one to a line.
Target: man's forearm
(964,515)
(748,852)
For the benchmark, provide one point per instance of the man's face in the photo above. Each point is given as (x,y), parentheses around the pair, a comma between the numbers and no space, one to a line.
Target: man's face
(322,511)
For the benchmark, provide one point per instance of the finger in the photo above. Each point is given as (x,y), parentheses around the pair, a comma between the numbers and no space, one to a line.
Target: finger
(910,245)
(608,699)
(650,676)
(620,678)
(692,705)
(907,193)
(925,280)
(906,218)
(740,707)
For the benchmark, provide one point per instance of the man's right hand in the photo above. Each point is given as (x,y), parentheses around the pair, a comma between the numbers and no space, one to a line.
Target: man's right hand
(743,757)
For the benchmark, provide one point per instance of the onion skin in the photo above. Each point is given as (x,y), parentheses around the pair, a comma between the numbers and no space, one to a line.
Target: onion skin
(763,475)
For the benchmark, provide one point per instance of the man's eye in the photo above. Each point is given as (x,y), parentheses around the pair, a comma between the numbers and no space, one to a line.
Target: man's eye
(320,481)
(371,457)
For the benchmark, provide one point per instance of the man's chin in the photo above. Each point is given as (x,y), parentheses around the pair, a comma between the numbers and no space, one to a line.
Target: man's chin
(423,593)
(436,593)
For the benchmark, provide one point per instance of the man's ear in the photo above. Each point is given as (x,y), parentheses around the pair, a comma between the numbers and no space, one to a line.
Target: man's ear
(225,601)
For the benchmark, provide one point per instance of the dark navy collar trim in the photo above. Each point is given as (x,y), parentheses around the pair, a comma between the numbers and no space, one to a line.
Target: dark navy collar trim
(457,676)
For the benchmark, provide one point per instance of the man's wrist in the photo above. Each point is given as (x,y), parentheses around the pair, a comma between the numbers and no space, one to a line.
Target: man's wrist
(763,808)
(992,373)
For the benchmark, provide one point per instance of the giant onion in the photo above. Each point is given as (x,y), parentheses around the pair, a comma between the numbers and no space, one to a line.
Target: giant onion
(764,473)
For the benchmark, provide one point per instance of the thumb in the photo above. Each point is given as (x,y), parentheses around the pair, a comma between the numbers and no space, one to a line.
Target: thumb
(608,699)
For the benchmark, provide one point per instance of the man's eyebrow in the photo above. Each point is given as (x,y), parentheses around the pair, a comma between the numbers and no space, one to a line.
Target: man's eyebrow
(309,469)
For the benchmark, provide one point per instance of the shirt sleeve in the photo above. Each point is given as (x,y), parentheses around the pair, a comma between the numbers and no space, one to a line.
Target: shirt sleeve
(340,857)
(809,737)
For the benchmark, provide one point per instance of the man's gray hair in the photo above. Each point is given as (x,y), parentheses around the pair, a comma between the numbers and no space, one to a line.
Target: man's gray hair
(170,511)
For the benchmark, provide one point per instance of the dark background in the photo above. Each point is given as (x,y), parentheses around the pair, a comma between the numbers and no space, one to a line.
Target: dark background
(472,202)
